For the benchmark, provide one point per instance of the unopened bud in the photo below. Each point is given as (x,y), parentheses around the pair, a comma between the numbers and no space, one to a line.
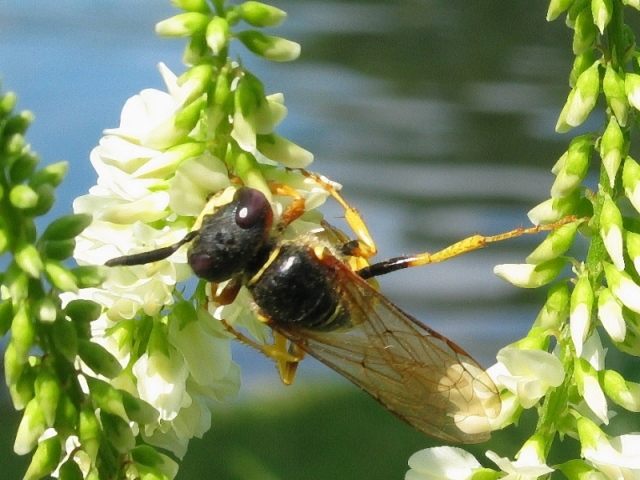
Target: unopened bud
(581,99)
(601,11)
(270,47)
(28,259)
(283,151)
(556,244)
(574,167)
(46,457)
(32,425)
(530,276)
(556,7)
(613,86)
(260,14)
(182,25)
(631,181)
(580,312)
(611,231)
(218,34)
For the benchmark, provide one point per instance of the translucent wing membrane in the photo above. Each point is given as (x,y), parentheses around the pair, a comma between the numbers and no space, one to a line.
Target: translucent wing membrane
(413,371)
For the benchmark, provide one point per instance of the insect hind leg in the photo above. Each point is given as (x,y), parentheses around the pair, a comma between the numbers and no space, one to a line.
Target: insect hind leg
(469,244)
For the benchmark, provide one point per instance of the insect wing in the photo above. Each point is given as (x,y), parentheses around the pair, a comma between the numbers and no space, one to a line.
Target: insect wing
(416,373)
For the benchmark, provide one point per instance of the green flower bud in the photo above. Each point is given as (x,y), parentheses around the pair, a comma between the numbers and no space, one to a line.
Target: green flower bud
(556,244)
(612,148)
(32,425)
(632,241)
(260,14)
(45,459)
(66,227)
(554,209)
(556,7)
(601,10)
(23,197)
(222,91)
(631,181)
(107,398)
(623,287)
(573,168)
(67,416)
(18,123)
(530,276)
(610,315)
(580,312)
(28,259)
(188,116)
(196,51)
(88,276)
(89,433)
(270,47)
(199,79)
(51,174)
(632,3)
(249,172)
(84,311)
(98,359)
(192,5)
(23,331)
(632,89)
(611,231)
(585,31)
(589,433)
(46,198)
(581,99)
(47,392)
(577,470)
(117,432)
(580,64)
(8,102)
(70,470)
(613,86)
(14,364)
(183,25)
(556,309)
(283,151)
(65,339)
(58,249)
(46,310)
(60,277)
(586,380)
(6,316)
(23,167)
(624,393)
(218,34)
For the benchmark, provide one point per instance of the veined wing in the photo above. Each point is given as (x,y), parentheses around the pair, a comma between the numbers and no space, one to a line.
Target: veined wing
(416,373)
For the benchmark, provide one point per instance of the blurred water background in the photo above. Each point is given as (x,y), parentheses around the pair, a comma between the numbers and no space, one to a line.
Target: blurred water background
(436,116)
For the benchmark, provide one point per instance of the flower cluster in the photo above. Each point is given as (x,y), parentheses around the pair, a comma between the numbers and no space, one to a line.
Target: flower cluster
(559,368)
(133,362)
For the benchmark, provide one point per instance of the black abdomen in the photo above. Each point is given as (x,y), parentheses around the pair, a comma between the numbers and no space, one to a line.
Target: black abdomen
(298,290)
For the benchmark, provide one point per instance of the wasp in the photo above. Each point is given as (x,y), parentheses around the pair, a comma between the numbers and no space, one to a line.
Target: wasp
(318,295)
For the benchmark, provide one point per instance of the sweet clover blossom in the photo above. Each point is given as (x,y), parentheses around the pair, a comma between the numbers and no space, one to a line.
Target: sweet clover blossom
(560,369)
(135,358)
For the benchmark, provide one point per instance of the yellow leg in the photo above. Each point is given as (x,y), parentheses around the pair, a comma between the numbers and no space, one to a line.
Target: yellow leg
(476,242)
(364,246)
(286,356)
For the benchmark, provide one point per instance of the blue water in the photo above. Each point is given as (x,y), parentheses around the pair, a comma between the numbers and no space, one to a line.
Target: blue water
(437,119)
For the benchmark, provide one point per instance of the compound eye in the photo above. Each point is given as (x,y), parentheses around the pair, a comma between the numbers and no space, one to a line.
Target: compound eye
(253,207)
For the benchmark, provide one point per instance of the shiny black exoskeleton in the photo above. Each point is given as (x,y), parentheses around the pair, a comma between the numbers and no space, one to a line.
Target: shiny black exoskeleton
(288,283)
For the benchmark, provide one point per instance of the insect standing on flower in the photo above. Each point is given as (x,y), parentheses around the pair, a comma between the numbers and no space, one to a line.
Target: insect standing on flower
(316,294)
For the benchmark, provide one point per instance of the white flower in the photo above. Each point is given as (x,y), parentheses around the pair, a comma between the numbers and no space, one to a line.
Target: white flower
(528,466)
(528,374)
(161,382)
(530,276)
(610,315)
(443,463)
(616,457)
(623,287)
(579,322)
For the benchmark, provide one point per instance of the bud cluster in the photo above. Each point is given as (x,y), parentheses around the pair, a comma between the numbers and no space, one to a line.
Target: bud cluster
(559,367)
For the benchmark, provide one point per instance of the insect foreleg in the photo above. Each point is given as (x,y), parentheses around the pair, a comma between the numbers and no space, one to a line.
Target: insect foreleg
(363,246)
